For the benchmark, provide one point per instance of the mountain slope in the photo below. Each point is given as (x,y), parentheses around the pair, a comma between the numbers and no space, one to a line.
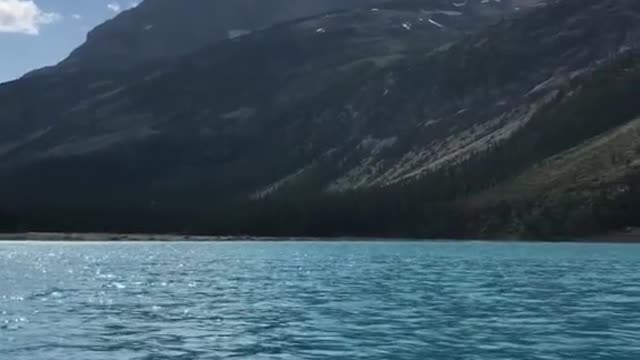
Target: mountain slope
(165,29)
(397,120)
(161,30)
(229,102)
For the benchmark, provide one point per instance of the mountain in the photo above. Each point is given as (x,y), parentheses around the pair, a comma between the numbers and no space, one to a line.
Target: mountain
(165,29)
(229,98)
(403,119)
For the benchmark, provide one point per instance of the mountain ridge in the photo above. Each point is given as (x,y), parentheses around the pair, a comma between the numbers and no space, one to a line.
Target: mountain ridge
(167,29)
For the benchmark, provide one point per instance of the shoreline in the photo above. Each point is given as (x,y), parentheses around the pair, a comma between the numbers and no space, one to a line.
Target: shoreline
(622,237)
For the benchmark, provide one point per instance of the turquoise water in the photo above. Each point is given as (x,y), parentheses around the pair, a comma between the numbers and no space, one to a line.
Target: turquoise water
(314,300)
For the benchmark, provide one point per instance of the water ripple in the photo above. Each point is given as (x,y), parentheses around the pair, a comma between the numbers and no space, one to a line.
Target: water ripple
(319,301)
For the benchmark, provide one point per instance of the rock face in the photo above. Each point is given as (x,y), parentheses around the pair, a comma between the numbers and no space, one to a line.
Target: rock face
(370,98)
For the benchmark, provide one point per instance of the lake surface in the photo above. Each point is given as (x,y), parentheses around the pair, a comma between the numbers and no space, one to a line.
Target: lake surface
(319,300)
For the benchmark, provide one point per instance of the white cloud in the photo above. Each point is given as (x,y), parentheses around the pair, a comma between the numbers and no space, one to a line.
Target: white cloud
(24,16)
(76,16)
(117,7)
(114,6)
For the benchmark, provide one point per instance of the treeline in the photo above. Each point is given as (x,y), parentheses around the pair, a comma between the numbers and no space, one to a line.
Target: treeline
(397,212)
(610,208)
(8,222)
(402,211)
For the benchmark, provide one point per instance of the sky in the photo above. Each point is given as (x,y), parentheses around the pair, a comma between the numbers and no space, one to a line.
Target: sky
(37,33)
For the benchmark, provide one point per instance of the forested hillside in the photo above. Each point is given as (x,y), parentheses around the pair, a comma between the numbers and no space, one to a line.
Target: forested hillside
(419,119)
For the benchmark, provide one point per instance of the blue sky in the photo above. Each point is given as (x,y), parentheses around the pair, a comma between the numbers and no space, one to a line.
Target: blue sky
(36,33)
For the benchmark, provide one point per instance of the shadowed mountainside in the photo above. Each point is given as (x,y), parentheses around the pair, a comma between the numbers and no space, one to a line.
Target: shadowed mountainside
(396,120)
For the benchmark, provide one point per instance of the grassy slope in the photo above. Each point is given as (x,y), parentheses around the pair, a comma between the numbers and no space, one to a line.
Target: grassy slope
(595,164)
(587,190)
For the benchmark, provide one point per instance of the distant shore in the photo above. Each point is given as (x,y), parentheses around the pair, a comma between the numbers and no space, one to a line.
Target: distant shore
(626,236)
(629,235)
(59,236)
